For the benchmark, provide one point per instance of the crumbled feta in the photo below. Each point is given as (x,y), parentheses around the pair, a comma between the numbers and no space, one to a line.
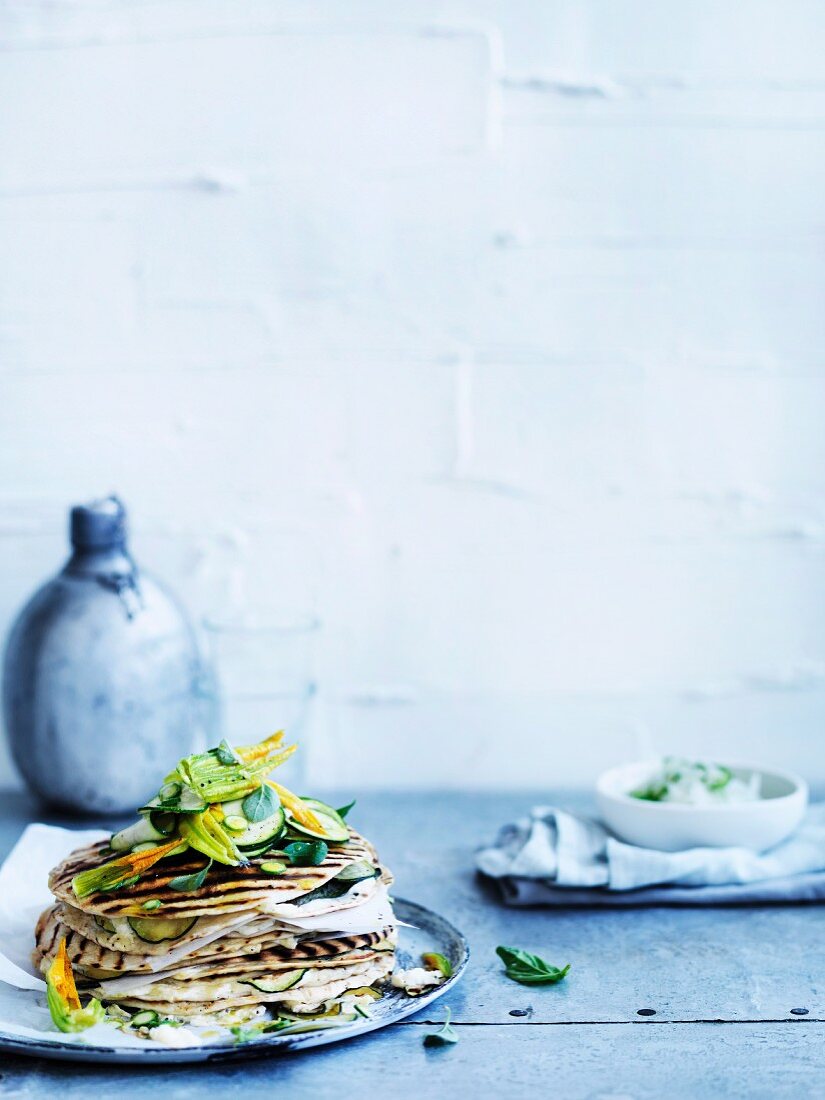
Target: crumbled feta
(361,1004)
(172,1036)
(416,980)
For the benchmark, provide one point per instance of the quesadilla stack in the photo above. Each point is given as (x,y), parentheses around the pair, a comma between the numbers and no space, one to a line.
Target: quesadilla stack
(231,900)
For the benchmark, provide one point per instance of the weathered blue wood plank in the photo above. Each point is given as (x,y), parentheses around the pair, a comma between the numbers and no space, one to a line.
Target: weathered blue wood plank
(575,1063)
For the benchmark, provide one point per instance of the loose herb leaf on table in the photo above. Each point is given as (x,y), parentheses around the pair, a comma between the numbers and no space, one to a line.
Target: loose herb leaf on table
(445,1036)
(521,966)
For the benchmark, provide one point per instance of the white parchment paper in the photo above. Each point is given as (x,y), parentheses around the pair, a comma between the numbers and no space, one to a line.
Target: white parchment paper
(24,894)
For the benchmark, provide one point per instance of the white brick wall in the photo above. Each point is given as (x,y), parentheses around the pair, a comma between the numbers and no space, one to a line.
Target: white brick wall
(488,332)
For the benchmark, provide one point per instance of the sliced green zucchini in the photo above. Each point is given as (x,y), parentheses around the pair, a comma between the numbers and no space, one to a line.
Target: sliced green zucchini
(182,801)
(145,1018)
(364,991)
(141,832)
(277,984)
(433,961)
(105,924)
(253,834)
(331,1008)
(273,867)
(333,825)
(164,822)
(254,853)
(160,929)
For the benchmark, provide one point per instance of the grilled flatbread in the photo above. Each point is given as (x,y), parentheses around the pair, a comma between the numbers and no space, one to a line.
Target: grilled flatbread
(318,986)
(275,951)
(226,889)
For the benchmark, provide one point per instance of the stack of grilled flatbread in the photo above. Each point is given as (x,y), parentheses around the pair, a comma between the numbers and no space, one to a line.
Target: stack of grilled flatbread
(242,939)
(230,898)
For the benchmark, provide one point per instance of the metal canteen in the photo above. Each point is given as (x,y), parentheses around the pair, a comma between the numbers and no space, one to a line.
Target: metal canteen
(103,680)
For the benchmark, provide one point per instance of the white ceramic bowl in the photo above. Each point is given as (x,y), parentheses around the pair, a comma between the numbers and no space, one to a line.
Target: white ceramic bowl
(674,826)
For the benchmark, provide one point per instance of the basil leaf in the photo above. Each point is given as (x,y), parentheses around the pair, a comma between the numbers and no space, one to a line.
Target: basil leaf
(225,753)
(445,1036)
(344,810)
(261,804)
(191,882)
(307,853)
(342,883)
(521,966)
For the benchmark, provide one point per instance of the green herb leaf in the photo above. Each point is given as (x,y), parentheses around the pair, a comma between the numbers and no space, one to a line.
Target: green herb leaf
(225,753)
(433,961)
(445,1036)
(344,810)
(342,883)
(188,883)
(521,966)
(261,804)
(721,780)
(307,853)
(153,903)
(119,885)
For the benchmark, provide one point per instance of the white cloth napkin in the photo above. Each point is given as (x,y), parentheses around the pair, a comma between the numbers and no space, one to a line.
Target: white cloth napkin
(553,857)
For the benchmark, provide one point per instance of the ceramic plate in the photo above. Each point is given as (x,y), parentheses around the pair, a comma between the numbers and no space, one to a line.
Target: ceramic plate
(421,931)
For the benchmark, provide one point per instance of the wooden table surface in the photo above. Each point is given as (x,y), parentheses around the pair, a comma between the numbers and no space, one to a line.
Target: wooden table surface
(723,984)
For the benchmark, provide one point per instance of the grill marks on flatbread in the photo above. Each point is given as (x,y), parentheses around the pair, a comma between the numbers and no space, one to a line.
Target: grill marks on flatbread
(304,997)
(236,982)
(241,931)
(233,954)
(125,941)
(226,889)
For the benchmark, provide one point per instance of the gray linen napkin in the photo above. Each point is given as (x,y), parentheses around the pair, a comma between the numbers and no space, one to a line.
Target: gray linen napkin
(557,858)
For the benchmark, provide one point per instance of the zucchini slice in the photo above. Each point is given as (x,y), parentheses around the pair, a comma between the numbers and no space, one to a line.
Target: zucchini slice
(142,832)
(331,1008)
(363,991)
(273,867)
(160,929)
(147,1017)
(277,984)
(256,836)
(334,826)
(181,800)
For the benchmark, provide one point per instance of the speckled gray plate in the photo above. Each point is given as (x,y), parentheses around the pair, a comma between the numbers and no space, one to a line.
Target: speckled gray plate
(427,931)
